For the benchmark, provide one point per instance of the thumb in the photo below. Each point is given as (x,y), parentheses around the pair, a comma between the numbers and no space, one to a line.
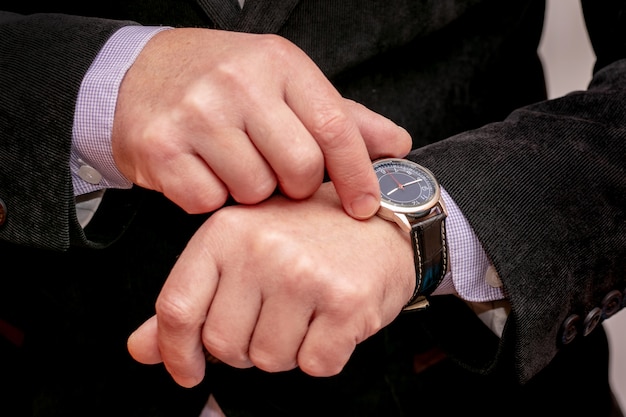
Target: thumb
(142,344)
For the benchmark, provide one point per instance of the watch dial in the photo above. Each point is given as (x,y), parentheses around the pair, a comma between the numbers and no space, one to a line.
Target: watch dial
(405,185)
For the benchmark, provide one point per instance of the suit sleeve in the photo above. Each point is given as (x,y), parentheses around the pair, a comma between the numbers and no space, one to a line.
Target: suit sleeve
(43,59)
(545,192)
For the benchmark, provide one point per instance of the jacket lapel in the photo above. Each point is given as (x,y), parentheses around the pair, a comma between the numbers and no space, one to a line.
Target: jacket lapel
(257,16)
(224,13)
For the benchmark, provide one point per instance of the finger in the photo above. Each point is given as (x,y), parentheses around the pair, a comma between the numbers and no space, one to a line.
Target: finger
(383,138)
(325,115)
(279,332)
(182,308)
(143,345)
(289,148)
(237,162)
(231,320)
(326,348)
(161,158)
(186,180)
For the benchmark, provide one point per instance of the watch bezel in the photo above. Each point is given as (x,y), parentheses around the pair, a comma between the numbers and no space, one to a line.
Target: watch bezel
(388,208)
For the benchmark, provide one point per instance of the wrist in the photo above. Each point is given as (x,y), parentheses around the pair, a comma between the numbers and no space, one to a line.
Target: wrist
(411,198)
(91,160)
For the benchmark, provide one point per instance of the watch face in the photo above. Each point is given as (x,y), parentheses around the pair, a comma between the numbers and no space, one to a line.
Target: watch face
(405,186)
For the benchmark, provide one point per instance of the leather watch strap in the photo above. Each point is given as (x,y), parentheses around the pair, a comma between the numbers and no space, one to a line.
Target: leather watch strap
(428,236)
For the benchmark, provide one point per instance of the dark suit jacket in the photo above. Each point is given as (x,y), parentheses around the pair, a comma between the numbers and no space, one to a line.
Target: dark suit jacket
(543,184)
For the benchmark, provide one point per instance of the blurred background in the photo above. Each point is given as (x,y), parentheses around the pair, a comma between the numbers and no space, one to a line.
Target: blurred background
(568,61)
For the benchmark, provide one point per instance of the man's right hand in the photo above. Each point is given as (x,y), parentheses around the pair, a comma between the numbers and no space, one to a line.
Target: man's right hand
(203,113)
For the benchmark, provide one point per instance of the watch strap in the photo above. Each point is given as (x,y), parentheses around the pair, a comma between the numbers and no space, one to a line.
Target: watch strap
(428,237)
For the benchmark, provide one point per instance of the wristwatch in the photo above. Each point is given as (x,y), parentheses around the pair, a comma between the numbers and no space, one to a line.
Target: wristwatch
(411,197)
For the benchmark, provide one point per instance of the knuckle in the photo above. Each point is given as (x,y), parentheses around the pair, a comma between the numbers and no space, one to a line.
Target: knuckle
(175,313)
(206,196)
(332,127)
(269,48)
(317,366)
(212,199)
(257,189)
(345,290)
(267,362)
(223,350)
(302,268)
(276,47)
(216,197)
(306,165)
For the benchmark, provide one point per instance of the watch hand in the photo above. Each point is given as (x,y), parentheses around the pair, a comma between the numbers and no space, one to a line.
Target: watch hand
(401,186)
(412,182)
(396,181)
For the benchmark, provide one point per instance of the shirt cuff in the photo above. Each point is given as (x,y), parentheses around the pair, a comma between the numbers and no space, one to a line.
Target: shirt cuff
(471,276)
(91,160)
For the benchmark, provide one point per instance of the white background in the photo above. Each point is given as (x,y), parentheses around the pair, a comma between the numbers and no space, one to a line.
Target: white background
(568,60)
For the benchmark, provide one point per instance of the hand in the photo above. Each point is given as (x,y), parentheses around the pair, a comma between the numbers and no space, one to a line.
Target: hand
(203,113)
(278,285)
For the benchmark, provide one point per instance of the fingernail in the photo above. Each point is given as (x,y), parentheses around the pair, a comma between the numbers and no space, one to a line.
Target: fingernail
(364,207)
